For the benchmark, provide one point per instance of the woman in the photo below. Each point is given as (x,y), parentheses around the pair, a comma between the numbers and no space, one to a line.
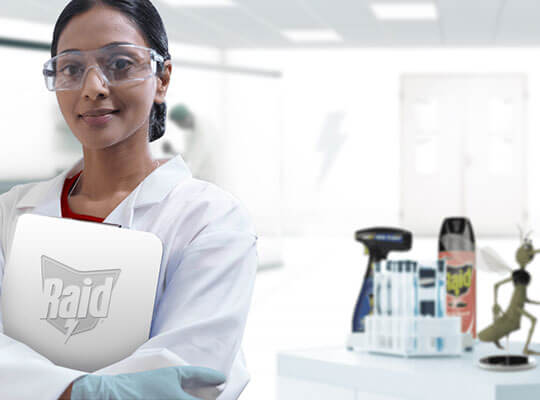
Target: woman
(110,71)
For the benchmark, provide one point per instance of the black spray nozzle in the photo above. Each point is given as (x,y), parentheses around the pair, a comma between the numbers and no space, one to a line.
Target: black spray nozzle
(456,235)
(380,241)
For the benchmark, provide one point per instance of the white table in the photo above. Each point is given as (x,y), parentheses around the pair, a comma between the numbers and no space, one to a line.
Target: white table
(338,374)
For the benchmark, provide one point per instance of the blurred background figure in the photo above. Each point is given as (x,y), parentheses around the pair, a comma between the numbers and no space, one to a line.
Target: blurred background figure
(196,140)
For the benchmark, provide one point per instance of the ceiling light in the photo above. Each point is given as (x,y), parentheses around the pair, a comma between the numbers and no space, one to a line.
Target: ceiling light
(407,11)
(312,35)
(200,3)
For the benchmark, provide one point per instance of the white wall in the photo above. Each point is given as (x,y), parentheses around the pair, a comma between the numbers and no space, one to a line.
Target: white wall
(362,187)
(28,115)
(253,119)
(242,116)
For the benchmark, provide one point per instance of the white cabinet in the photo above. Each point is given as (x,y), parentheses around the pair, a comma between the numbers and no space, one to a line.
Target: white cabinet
(294,389)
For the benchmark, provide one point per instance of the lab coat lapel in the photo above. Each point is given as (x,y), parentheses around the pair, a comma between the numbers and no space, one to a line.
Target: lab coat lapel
(160,182)
(153,189)
(44,196)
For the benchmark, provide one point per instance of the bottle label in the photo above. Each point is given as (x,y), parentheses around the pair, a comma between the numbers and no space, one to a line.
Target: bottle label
(461,288)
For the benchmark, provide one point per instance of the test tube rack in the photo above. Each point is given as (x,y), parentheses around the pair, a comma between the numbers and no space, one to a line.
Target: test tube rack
(421,336)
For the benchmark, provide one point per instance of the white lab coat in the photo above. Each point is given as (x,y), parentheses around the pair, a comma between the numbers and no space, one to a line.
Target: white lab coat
(205,283)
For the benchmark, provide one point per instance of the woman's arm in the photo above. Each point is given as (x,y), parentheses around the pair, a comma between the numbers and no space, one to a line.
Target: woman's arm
(201,315)
(199,321)
(24,372)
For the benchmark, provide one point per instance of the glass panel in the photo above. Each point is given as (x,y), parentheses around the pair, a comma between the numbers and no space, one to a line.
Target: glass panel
(426,154)
(501,114)
(426,115)
(500,155)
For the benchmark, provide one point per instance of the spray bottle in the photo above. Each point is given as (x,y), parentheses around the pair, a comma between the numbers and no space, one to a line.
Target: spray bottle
(457,246)
(379,241)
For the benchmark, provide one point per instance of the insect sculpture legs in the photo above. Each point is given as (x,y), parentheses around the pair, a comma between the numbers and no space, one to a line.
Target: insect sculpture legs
(496,331)
(496,308)
(531,330)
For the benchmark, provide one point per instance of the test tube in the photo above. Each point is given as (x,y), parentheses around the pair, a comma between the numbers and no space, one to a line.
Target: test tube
(441,296)
(390,265)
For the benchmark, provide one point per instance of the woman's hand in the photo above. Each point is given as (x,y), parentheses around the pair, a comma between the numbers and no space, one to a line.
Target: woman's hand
(162,383)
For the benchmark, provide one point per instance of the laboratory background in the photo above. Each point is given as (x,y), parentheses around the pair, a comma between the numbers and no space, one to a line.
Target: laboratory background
(326,117)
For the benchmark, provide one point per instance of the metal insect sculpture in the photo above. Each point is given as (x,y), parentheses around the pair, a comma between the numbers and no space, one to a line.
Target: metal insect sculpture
(510,320)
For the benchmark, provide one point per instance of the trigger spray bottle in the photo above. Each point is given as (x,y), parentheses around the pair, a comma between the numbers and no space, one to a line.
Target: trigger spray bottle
(457,246)
(379,241)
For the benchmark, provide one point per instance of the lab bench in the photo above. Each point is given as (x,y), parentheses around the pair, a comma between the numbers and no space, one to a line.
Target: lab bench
(335,373)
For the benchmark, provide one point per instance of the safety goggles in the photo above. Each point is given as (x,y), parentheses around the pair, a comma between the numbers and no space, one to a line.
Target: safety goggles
(118,64)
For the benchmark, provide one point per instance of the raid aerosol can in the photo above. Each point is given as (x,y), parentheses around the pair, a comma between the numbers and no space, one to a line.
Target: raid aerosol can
(456,245)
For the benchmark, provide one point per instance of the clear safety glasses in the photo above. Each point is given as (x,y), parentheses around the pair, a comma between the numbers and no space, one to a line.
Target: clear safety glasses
(118,64)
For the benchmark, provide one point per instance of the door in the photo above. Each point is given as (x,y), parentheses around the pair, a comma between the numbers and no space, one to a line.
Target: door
(463,152)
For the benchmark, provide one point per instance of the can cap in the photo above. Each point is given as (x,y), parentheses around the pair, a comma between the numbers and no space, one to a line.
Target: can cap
(456,235)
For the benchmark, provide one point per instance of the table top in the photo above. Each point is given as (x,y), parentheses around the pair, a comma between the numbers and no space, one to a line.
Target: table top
(418,378)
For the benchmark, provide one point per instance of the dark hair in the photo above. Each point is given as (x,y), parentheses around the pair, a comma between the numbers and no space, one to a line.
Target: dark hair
(145,16)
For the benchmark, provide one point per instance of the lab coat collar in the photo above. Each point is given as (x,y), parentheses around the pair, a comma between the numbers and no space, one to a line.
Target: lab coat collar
(44,196)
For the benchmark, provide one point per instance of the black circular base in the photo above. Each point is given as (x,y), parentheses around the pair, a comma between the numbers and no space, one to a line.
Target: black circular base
(510,362)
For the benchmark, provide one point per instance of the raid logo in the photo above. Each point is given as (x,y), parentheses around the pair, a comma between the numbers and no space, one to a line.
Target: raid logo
(459,279)
(74,301)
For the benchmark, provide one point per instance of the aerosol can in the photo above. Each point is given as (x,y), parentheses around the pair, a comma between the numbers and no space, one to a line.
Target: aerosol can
(457,246)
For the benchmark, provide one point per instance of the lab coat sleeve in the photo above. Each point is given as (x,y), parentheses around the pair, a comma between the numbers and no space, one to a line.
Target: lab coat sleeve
(24,373)
(202,313)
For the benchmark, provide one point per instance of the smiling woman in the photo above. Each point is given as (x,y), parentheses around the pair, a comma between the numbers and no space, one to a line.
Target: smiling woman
(135,103)
(110,70)
(113,115)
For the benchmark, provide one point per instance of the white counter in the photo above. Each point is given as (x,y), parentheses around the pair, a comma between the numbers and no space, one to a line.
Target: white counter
(338,374)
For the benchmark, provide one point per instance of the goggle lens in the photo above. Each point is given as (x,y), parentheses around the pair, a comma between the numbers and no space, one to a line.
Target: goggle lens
(118,64)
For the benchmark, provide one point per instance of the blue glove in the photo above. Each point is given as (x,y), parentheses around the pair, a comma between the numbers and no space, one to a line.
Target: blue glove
(162,383)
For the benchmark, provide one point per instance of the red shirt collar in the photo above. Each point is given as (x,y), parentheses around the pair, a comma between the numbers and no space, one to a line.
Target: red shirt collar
(66,211)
